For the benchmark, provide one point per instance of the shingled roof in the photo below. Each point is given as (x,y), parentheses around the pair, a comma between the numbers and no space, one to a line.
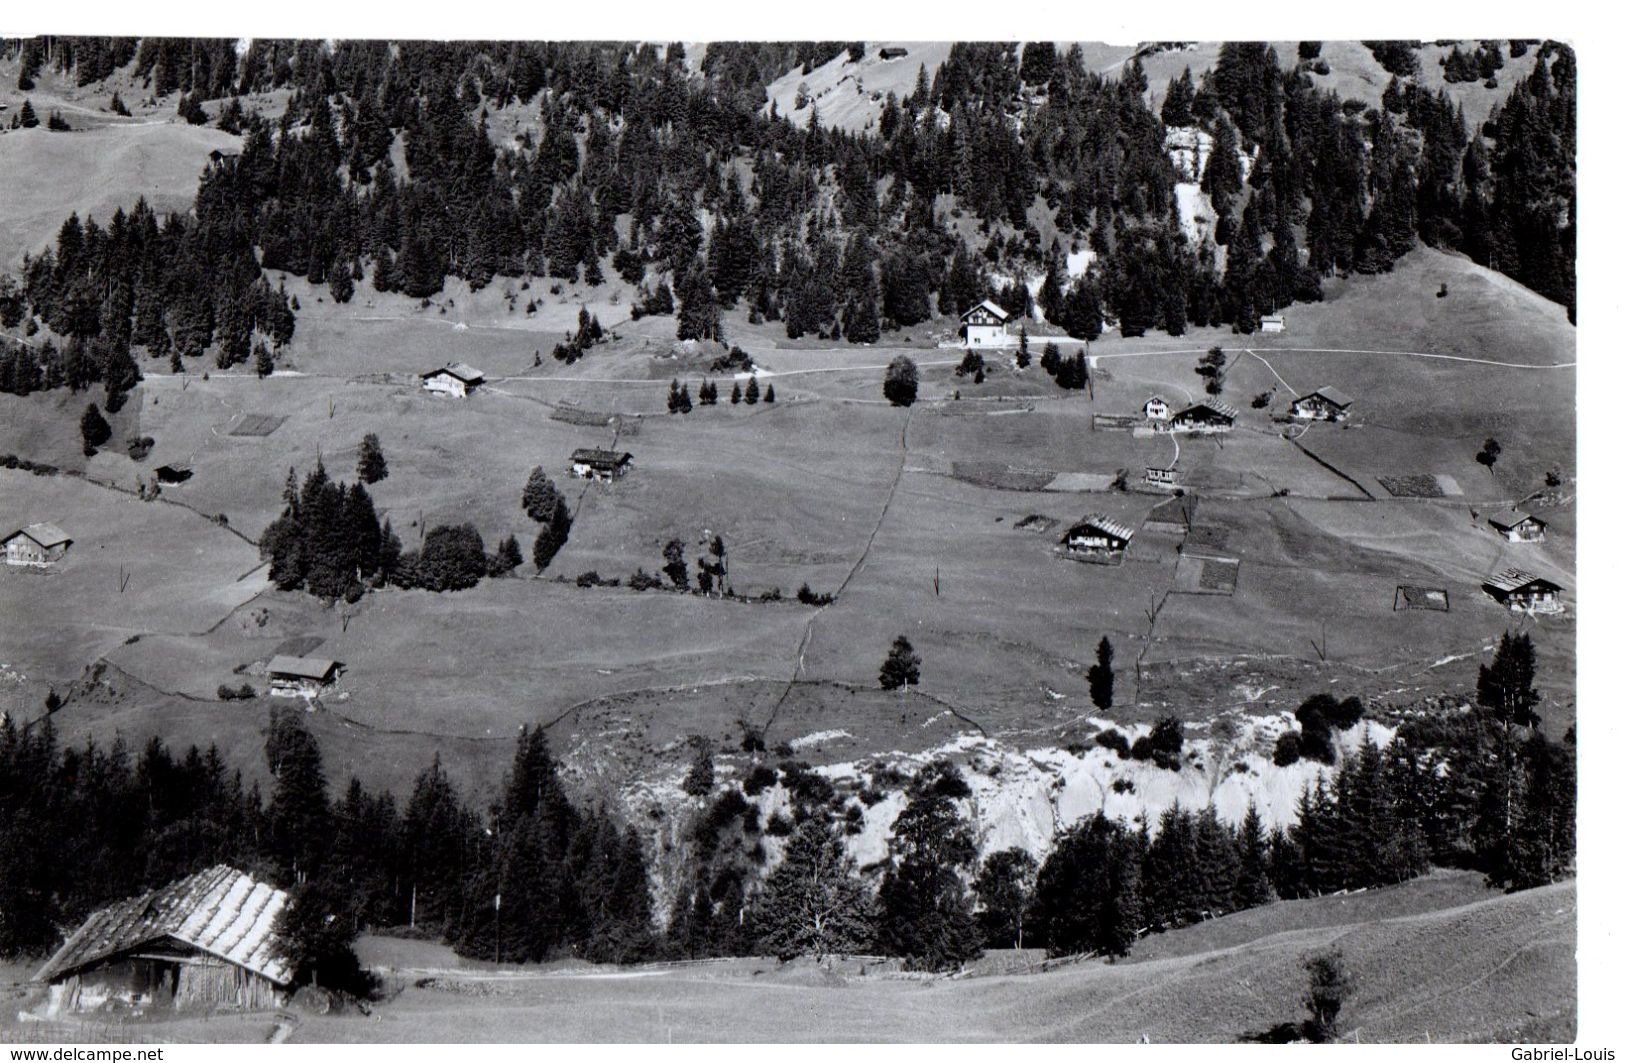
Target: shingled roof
(1516,579)
(1223,409)
(1333,396)
(221,911)
(47,535)
(1105,524)
(303,667)
(594,456)
(1508,519)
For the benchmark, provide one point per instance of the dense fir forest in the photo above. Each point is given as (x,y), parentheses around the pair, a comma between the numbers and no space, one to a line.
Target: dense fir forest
(1481,788)
(836,234)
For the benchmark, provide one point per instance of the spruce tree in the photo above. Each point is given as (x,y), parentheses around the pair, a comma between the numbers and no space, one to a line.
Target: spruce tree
(901,667)
(1101,677)
(370,466)
(752,393)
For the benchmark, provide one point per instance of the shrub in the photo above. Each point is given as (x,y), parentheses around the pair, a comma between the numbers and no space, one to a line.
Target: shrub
(138,449)
(759,778)
(779,826)
(1288,748)
(643,581)
(807,596)
(1113,740)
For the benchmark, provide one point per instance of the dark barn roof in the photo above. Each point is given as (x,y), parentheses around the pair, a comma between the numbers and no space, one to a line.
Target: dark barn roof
(220,911)
(1512,580)
(302,667)
(1508,519)
(1212,406)
(461,370)
(1331,395)
(594,456)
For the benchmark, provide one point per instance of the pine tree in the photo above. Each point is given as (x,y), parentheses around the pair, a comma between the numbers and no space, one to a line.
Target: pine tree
(1004,886)
(1101,677)
(813,904)
(752,393)
(370,466)
(735,397)
(26,116)
(925,910)
(901,667)
(768,395)
(263,365)
(94,429)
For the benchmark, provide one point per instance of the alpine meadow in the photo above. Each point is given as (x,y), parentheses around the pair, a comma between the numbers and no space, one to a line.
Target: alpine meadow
(540,541)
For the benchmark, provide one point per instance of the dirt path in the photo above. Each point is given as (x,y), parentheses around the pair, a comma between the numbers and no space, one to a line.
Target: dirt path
(812,621)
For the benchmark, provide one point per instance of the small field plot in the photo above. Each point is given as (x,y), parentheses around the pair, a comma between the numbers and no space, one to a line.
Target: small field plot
(1414,486)
(178,573)
(257,424)
(1411,597)
(1196,574)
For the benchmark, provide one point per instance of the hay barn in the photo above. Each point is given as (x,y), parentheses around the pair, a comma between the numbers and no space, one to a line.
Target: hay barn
(1522,592)
(1096,536)
(1517,527)
(203,942)
(1327,404)
(591,464)
(36,545)
(1210,415)
(457,379)
(301,677)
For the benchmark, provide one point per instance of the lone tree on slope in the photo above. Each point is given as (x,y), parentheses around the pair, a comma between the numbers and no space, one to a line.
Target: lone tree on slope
(1328,986)
(902,384)
(94,429)
(371,466)
(1100,675)
(902,665)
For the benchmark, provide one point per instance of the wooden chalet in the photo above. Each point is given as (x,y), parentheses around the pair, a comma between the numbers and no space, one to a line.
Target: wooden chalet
(1095,536)
(37,545)
(203,942)
(893,53)
(453,379)
(1161,477)
(1523,592)
(1327,404)
(1209,415)
(588,463)
(1272,323)
(301,677)
(1156,408)
(1516,527)
(983,325)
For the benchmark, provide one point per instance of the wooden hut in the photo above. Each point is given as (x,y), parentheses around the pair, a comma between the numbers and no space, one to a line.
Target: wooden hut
(37,545)
(203,942)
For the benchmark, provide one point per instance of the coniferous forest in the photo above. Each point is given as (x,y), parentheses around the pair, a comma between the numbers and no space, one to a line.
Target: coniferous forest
(833,233)
(1480,789)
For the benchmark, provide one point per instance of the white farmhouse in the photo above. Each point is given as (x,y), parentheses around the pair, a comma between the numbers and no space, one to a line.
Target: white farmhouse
(983,325)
